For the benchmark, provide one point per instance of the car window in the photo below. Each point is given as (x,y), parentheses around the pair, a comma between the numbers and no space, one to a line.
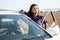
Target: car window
(20,25)
(50,18)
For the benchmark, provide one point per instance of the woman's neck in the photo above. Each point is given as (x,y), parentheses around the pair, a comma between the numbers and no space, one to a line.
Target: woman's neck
(35,15)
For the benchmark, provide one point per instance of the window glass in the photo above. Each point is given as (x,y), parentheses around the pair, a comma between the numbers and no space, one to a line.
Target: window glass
(19,24)
(23,26)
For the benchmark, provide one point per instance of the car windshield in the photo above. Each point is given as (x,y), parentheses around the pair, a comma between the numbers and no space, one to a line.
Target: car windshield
(19,24)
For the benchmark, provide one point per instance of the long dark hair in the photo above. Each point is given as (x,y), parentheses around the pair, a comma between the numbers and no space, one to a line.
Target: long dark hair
(29,12)
(32,7)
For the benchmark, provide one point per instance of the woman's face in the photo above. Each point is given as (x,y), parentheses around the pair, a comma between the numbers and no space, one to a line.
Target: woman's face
(35,10)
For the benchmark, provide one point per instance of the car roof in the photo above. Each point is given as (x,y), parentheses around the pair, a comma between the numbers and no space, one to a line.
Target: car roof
(8,12)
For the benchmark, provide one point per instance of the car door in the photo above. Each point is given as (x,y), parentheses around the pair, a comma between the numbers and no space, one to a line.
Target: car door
(53,27)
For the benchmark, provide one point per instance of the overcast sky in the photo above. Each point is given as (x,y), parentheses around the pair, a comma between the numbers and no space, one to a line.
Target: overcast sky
(25,4)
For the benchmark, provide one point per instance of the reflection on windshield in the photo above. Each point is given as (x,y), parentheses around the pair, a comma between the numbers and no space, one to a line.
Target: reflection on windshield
(23,26)
(6,20)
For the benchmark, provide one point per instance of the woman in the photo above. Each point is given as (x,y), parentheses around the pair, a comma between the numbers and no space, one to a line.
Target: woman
(33,13)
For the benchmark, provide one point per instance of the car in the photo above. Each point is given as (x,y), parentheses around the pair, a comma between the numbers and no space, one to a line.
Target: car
(16,26)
